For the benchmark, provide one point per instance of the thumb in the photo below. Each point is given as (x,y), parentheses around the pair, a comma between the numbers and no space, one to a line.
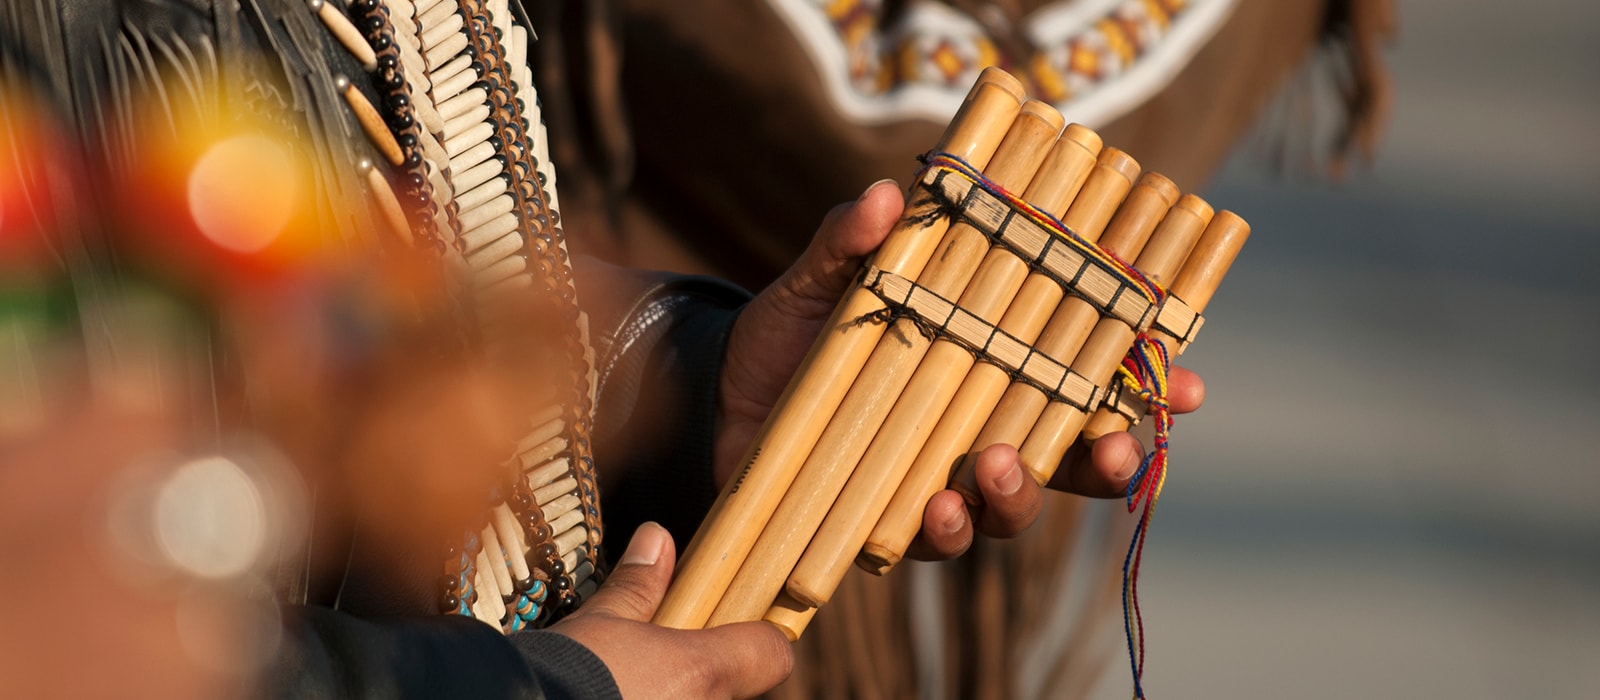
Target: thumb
(636,585)
(849,233)
(858,228)
(775,330)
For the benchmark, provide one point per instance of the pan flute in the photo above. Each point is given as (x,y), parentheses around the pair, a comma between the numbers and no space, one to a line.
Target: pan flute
(986,317)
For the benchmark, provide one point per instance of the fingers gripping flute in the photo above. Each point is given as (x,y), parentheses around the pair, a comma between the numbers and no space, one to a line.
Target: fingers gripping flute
(730,529)
(995,326)
(905,433)
(983,384)
(880,381)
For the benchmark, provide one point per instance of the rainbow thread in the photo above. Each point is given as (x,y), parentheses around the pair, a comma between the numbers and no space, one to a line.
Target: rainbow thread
(1144,370)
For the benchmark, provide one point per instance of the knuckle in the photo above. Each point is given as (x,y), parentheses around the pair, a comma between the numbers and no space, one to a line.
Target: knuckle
(627,598)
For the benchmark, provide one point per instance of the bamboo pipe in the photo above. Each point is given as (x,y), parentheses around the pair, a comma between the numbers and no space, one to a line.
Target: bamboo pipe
(1060,423)
(790,616)
(992,290)
(735,520)
(1063,335)
(1105,421)
(879,383)
(984,385)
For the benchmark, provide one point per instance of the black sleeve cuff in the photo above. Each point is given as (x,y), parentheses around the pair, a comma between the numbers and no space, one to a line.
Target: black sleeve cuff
(565,668)
(328,654)
(660,341)
(656,424)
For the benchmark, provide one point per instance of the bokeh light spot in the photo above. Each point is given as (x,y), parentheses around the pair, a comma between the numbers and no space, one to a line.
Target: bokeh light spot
(210,519)
(242,192)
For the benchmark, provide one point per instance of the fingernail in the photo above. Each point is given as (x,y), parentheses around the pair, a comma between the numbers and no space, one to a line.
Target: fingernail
(1130,464)
(645,548)
(874,186)
(1011,481)
(958,522)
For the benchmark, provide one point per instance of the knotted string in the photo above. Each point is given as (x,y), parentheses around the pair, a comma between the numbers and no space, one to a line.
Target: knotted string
(1143,370)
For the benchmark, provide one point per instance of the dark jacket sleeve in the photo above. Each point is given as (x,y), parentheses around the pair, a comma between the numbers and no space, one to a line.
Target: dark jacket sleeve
(659,342)
(330,654)
(660,339)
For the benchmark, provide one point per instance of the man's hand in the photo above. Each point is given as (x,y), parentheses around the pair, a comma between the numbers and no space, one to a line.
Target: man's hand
(776,330)
(731,661)
(1011,498)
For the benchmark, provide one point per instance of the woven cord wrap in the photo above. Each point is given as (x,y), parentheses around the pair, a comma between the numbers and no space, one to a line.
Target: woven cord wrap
(1143,370)
(938,318)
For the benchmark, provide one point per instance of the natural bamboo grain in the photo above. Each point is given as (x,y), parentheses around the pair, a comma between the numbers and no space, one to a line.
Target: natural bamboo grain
(850,429)
(1059,424)
(985,383)
(734,522)
(990,292)
(1069,325)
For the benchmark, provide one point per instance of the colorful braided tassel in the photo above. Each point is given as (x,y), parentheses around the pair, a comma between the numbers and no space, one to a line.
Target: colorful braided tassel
(1145,371)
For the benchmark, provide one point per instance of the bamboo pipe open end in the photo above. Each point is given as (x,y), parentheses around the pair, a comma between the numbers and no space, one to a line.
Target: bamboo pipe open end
(1162,185)
(1108,184)
(1045,113)
(805,594)
(1196,206)
(1118,160)
(1084,136)
(877,559)
(1065,170)
(999,78)
(1140,213)
(982,122)
(790,616)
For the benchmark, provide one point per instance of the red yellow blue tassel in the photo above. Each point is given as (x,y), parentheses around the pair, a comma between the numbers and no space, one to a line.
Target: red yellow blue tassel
(1144,370)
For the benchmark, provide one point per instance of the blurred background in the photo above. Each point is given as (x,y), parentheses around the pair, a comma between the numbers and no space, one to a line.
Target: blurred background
(1393,490)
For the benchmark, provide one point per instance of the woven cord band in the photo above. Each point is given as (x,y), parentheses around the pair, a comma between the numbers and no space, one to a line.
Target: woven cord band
(939,318)
(1051,248)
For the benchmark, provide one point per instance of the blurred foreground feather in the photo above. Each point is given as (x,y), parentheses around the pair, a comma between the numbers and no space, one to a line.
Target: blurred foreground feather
(190,365)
